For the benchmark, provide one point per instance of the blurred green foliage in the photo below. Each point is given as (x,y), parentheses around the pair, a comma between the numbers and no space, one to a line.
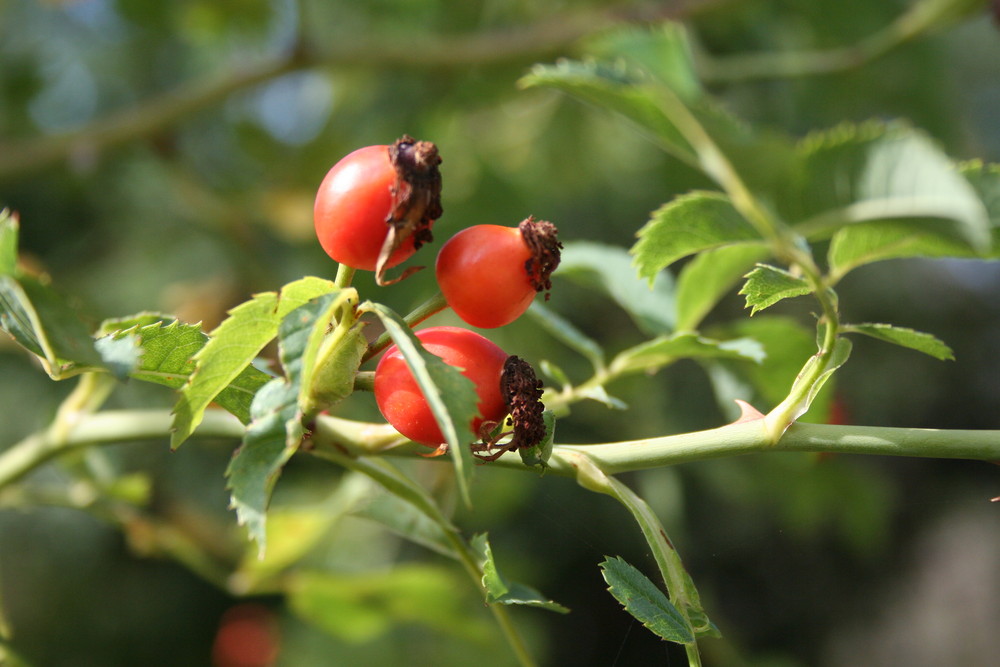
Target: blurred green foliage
(164,156)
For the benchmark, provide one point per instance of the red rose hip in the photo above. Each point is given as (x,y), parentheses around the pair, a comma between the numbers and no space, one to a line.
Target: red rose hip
(403,404)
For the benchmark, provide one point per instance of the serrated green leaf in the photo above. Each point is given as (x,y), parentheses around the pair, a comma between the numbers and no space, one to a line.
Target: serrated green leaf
(234,345)
(43,323)
(767,285)
(361,606)
(563,330)
(8,242)
(450,395)
(687,225)
(621,90)
(914,340)
(880,172)
(709,276)
(883,191)
(645,602)
(662,52)
(609,269)
(271,439)
(499,591)
(145,318)
(654,354)
(166,359)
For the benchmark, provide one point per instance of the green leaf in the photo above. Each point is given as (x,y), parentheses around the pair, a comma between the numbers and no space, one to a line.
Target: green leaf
(500,591)
(619,89)
(841,352)
(709,276)
(234,345)
(361,606)
(687,225)
(166,352)
(270,441)
(767,285)
(883,191)
(43,323)
(8,242)
(450,395)
(654,354)
(915,340)
(894,239)
(645,602)
(610,270)
(540,453)
(662,52)
(563,330)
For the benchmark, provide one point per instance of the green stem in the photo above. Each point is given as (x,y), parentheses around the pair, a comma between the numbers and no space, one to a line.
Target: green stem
(363,438)
(428,308)
(345,275)
(109,427)
(680,588)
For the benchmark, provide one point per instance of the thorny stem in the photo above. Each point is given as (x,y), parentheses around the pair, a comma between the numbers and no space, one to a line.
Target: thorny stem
(364,439)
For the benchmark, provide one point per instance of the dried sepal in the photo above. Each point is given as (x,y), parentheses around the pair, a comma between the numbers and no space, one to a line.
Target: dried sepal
(416,200)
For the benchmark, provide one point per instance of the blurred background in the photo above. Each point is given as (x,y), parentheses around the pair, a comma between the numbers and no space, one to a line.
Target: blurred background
(164,156)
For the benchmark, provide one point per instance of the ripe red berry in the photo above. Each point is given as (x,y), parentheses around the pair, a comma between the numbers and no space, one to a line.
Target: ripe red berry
(403,404)
(377,193)
(489,274)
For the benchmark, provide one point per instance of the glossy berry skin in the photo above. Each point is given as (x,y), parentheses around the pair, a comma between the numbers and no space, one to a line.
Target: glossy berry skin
(481,273)
(403,404)
(351,208)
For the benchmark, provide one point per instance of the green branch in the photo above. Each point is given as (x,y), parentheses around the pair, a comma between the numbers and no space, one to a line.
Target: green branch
(355,438)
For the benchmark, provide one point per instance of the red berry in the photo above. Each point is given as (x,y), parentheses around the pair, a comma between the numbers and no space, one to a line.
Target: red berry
(403,404)
(374,190)
(489,274)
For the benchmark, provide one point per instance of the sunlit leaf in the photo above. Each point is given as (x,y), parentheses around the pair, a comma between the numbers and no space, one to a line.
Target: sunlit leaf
(615,88)
(767,285)
(687,225)
(234,344)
